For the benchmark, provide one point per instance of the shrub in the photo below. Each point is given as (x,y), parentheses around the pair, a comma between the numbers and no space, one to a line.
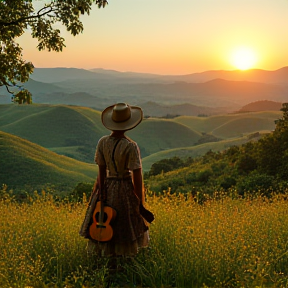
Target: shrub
(81,188)
(256,183)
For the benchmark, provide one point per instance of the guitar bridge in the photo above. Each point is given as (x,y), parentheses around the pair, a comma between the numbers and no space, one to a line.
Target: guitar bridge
(100,226)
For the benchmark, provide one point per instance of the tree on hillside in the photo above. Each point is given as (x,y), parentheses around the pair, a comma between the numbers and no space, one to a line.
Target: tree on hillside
(275,147)
(20,16)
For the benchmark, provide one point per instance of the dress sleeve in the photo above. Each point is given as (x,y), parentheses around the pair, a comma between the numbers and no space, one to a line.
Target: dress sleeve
(99,156)
(134,158)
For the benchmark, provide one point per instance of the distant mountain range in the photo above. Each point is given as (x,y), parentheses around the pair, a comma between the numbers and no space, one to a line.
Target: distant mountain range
(206,93)
(53,75)
(279,76)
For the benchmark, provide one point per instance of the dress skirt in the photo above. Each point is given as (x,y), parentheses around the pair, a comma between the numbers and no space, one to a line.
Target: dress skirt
(130,230)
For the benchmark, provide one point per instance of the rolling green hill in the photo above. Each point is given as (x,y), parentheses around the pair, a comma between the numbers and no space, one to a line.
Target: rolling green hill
(154,135)
(55,127)
(25,163)
(232,125)
(51,126)
(241,126)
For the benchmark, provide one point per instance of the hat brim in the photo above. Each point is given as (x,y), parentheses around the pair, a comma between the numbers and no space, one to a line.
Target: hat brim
(132,122)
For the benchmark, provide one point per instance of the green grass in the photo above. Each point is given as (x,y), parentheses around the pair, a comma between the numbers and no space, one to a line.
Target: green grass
(222,243)
(26,163)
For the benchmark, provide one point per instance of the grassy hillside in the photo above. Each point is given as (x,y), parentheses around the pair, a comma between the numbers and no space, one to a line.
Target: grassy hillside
(51,126)
(25,163)
(240,126)
(55,127)
(154,135)
(234,125)
(194,151)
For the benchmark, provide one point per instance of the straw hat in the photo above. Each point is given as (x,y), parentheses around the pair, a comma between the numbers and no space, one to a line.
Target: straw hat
(121,116)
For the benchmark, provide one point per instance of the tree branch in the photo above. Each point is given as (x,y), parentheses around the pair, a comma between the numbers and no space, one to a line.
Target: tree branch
(24,19)
(8,89)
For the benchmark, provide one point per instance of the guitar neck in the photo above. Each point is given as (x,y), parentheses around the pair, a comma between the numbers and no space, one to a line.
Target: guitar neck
(101,215)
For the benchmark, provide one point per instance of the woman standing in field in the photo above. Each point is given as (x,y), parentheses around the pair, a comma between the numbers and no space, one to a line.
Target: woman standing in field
(119,184)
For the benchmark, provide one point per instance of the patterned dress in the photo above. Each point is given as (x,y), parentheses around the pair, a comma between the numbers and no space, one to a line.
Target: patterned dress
(130,232)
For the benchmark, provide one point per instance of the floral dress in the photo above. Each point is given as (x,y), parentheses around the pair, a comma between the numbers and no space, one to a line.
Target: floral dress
(130,232)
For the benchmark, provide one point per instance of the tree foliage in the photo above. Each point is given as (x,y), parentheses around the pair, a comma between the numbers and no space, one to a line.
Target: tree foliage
(20,16)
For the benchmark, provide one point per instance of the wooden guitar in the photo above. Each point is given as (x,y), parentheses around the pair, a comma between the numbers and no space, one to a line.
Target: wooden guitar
(100,229)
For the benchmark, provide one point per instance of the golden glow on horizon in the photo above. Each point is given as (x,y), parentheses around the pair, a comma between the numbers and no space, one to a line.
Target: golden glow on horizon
(243,58)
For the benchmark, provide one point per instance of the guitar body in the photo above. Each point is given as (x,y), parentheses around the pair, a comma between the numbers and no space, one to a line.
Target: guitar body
(100,229)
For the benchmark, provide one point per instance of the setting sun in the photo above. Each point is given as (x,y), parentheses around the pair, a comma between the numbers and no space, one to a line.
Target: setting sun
(243,58)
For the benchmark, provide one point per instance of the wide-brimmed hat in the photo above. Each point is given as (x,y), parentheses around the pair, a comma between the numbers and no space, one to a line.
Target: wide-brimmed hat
(121,116)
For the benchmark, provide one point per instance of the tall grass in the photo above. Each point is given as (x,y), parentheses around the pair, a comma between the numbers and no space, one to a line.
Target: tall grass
(221,243)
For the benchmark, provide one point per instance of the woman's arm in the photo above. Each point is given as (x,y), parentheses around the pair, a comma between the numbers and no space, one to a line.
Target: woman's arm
(138,184)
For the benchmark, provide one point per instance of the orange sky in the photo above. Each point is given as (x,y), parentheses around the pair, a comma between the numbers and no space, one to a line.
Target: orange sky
(167,38)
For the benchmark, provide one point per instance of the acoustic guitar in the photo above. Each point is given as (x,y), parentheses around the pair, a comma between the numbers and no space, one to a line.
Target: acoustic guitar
(100,229)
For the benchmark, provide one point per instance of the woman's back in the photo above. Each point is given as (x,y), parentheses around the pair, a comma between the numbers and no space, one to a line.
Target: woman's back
(119,155)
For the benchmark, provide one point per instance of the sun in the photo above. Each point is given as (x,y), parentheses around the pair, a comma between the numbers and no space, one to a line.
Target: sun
(243,58)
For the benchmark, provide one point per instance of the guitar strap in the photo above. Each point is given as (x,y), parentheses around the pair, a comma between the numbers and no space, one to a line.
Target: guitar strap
(103,196)
(113,153)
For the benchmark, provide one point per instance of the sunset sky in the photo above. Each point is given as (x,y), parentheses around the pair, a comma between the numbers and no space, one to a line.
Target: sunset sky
(175,37)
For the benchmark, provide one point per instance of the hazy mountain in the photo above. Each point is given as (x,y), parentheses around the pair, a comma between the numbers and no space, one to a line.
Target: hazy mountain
(227,91)
(214,93)
(53,75)
(125,74)
(279,76)
(35,87)
(56,75)
(262,106)
(78,99)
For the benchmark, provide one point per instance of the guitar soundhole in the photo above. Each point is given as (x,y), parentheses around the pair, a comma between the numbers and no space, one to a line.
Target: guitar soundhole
(104,217)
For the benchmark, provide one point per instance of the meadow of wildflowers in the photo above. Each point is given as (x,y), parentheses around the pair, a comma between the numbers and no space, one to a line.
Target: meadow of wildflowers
(219,243)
